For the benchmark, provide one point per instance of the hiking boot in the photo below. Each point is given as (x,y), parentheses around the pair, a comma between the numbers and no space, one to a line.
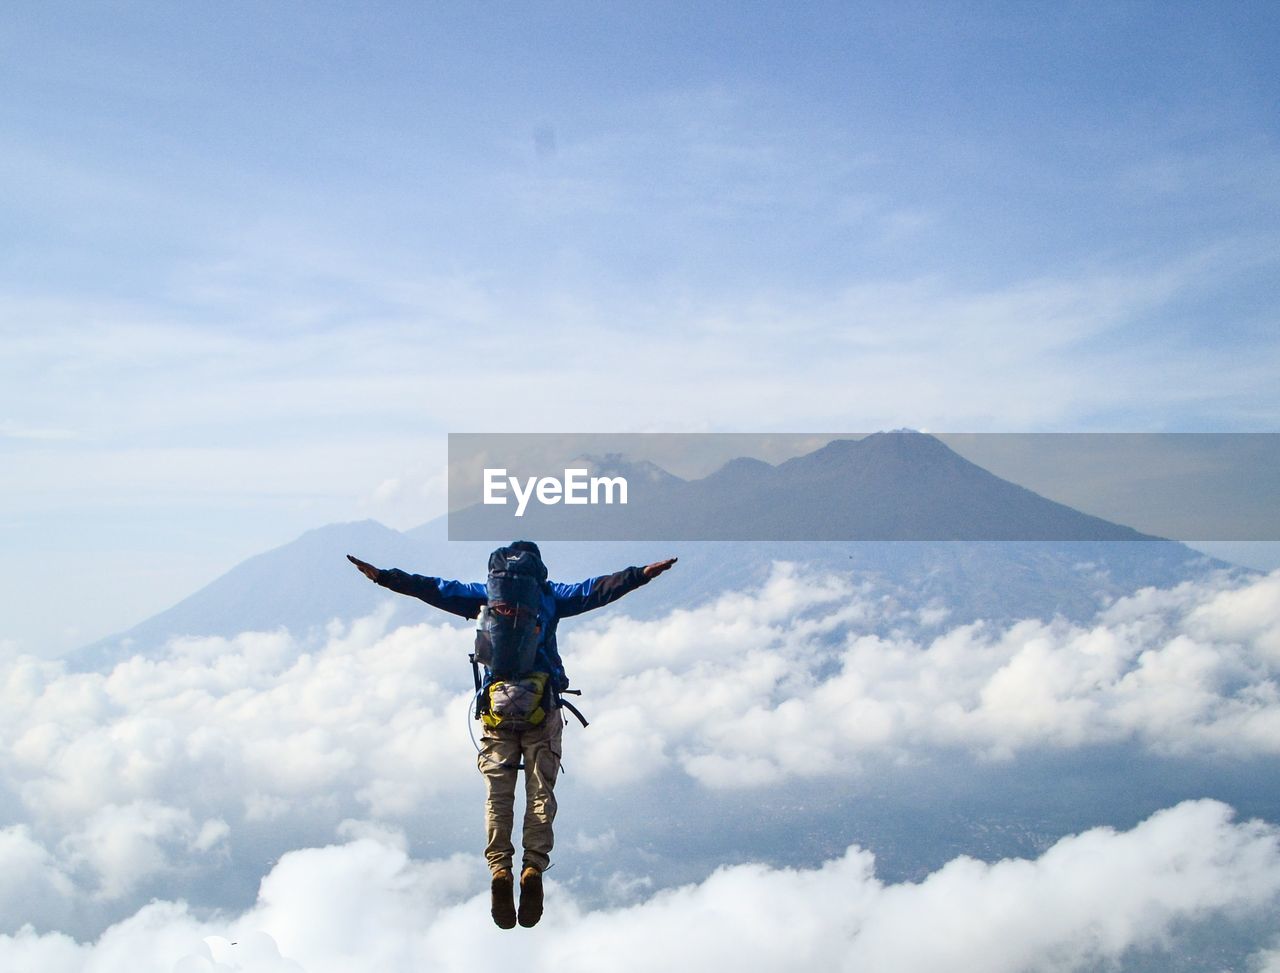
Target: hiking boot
(530,897)
(502,902)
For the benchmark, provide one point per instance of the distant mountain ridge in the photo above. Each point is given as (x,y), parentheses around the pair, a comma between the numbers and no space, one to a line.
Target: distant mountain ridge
(899,486)
(305,584)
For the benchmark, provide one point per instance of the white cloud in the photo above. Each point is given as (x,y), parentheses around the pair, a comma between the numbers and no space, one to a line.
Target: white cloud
(365,904)
(593,844)
(1249,615)
(164,769)
(14,430)
(123,846)
(260,392)
(309,415)
(1267,961)
(407,500)
(1088,898)
(753,690)
(32,882)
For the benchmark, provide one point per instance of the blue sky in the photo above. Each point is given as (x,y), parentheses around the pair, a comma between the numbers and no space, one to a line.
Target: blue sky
(257,260)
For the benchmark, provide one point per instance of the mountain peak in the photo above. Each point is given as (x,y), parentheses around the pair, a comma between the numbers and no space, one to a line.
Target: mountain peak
(616,464)
(743,466)
(900,445)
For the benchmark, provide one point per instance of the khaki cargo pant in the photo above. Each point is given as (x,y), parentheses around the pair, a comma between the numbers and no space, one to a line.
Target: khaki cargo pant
(501,751)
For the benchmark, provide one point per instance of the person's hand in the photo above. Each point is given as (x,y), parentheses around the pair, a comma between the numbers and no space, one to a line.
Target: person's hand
(657,567)
(367,569)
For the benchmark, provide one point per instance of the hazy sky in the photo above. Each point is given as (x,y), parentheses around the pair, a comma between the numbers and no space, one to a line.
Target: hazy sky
(259,259)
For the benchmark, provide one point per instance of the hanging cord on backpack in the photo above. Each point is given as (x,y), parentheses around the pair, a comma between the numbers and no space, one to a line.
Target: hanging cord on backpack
(474,710)
(473,713)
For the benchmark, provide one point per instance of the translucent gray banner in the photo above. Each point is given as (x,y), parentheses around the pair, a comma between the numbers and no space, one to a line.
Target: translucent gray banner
(898,485)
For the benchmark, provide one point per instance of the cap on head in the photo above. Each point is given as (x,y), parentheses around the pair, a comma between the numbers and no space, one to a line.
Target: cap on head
(529,546)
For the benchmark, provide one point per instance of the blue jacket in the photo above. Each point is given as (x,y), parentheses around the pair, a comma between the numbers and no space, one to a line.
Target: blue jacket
(559,601)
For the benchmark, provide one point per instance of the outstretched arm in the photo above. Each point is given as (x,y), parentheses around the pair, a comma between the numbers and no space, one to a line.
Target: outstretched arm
(457,597)
(651,571)
(574,599)
(367,569)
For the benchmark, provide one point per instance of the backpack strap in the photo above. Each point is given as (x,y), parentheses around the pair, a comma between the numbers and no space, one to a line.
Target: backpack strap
(561,701)
(475,676)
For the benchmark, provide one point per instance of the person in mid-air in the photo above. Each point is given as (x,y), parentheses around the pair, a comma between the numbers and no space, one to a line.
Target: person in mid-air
(519,699)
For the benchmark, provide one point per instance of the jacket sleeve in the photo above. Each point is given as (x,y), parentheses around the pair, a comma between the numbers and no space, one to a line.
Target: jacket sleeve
(574,599)
(457,597)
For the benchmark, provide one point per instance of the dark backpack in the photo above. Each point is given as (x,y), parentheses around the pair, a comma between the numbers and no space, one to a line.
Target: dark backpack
(507,633)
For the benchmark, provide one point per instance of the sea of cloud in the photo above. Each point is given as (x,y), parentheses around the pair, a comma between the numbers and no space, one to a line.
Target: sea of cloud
(783,683)
(186,778)
(1092,899)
